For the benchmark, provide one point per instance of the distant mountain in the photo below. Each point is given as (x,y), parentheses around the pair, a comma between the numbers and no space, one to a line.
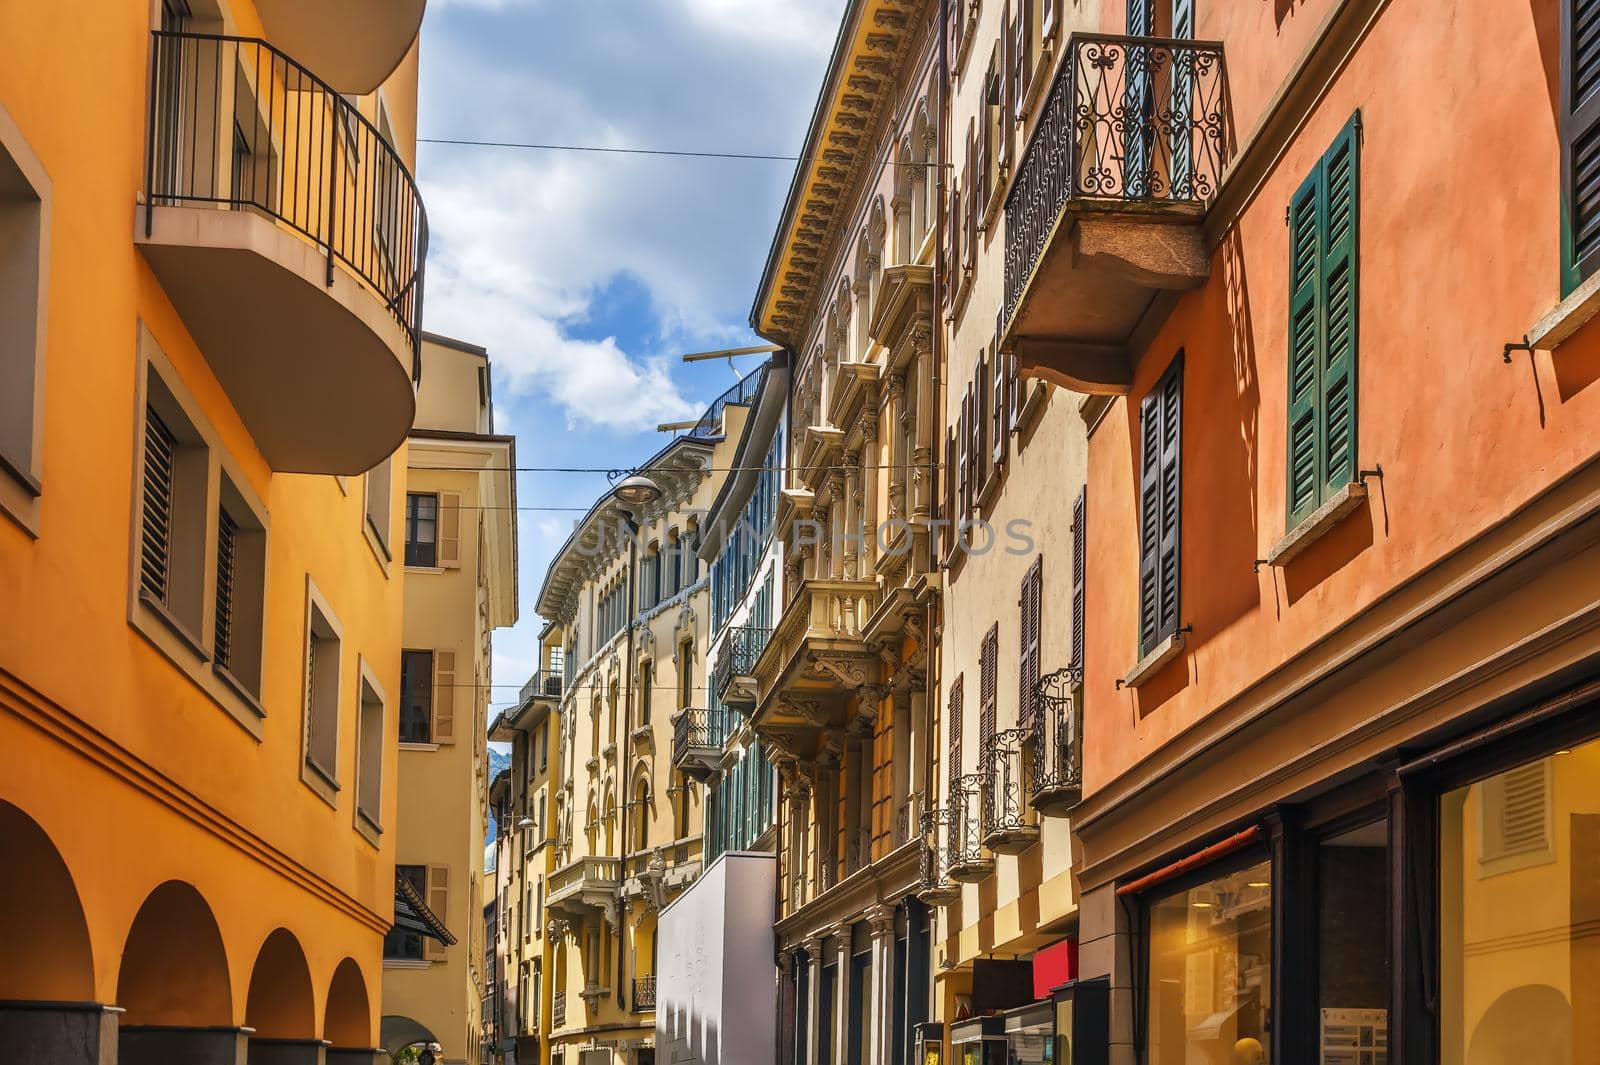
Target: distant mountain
(498,760)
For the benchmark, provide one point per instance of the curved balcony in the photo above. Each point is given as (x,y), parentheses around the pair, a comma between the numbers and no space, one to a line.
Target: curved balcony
(937,887)
(585,886)
(356,44)
(967,863)
(1006,828)
(1109,201)
(1056,782)
(290,237)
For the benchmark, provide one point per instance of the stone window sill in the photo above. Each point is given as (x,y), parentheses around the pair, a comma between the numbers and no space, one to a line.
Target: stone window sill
(1317,524)
(1152,663)
(1567,317)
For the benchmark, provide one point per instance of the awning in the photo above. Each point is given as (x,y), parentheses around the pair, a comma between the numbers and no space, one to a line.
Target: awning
(411,914)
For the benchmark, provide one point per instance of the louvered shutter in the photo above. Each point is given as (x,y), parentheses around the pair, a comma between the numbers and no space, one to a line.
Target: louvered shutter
(1523,819)
(950,464)
(1141,18)
(1006,105)
(444,697)
(988,678)
(1171,495)
(1080,569)
(222,627)
(985,151)
(1149,519)
(450,530)
(1029,602)
(1051,21)
(978,426)
(952,241)
(964,496)
(1022,57)
(969,239)
(155,542)
(1338,285)
(1580,139)
(1304,427)
(957,728)
(439,903)
(999,409)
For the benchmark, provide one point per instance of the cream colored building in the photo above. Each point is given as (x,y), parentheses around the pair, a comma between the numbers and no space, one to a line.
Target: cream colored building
(458,553)
(632,598)
(1015,468)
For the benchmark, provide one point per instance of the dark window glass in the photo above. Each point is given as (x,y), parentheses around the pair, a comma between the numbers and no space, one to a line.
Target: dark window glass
(416,697)
(399,943)
(422,529)
(1353,945)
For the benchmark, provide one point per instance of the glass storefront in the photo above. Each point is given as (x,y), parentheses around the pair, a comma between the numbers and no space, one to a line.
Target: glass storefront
(1353,946)
(1209,986)
(1519,914)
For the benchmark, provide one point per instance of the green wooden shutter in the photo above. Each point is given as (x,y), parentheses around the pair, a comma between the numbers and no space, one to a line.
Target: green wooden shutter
(1580,140)
(1324,236)
(1341,195)
(1305,431)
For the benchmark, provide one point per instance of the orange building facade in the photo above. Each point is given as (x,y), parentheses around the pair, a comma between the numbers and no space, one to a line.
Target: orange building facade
(1331,313)
(200,622)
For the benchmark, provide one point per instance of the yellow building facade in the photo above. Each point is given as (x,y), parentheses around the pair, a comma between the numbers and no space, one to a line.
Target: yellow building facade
(459,555)
(199,646)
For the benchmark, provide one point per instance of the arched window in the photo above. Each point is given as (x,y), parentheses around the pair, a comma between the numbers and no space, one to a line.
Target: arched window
(641,805)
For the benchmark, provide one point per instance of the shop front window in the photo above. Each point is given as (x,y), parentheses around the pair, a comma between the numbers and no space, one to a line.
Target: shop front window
(1209,986)
(1353,946)
(1519,914)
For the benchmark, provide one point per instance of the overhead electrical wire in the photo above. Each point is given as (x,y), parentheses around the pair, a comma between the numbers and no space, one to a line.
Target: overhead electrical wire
(599,149)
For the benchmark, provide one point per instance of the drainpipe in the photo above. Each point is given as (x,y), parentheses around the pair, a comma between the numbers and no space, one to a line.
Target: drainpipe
(937,355)
(629,675)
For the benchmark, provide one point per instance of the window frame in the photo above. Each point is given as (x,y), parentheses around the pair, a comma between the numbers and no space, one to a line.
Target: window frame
(320,769)
(216,478)
(414,521)
(412,654)
(22,468)
(370,743)
(1155,403)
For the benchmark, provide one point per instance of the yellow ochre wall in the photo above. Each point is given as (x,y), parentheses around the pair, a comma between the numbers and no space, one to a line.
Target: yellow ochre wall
(135,776)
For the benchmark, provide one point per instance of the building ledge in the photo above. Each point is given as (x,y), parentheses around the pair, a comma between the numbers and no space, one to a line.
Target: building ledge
(1567,317)
(1152,663)
(1317,524)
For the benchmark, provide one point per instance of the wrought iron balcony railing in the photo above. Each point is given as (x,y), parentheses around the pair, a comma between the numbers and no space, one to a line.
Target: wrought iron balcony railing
(736,658)
(1057,744)
(237,124)
(644,993)
(1141,120)
(1006,828)
(953,853)
(697,737)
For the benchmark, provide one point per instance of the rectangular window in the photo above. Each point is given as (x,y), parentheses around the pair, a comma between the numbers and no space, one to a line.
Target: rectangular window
(1323,302)
(402,945)
(176,472)
(369,755)
(1080,570)
(240,592)
(1580,141)
(685,674)
(1160,507)
(422,529)
(1208,988)
(322,693)
(416,697)
(646,683)
(378,484)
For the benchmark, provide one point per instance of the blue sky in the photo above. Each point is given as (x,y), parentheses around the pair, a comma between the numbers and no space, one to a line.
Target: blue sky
(585,275)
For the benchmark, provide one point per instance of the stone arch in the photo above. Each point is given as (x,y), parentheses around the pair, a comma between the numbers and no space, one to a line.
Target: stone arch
(41,918)
(347,1021)
(280,1003)
(399,1032)
(1526,1024)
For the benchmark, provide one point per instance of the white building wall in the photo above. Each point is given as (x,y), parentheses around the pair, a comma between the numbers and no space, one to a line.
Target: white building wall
(716,985)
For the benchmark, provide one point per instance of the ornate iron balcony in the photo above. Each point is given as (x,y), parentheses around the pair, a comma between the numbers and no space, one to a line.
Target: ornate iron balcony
(1131,120)
(697,742)
(733,673)
(967,861)
(1057,744)
(235,123)
(1006,829)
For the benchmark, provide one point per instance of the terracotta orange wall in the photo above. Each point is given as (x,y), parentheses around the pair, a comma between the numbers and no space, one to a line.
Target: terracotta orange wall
(1459,253)
(75,82)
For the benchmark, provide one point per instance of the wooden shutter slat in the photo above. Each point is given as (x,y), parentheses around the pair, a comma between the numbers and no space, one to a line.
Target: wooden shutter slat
(1031,601)
(1580,138)
(444,697)
(155,542)
(1171,495)
(450,530)
(1149,517)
